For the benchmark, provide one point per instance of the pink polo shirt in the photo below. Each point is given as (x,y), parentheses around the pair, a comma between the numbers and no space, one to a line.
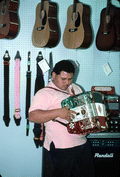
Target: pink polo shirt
(47,99)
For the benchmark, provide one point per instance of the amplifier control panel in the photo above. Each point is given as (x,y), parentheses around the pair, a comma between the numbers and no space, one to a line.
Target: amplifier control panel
(105,142)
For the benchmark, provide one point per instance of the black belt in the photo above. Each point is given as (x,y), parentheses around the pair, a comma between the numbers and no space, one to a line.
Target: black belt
(6,63)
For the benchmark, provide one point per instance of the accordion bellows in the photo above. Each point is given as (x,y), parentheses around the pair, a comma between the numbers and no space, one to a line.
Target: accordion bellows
(91,113)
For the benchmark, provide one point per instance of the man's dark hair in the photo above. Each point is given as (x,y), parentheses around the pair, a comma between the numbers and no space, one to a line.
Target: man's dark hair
(64,65)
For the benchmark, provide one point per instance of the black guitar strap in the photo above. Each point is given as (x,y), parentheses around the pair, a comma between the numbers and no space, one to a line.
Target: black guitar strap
(28,95)
(6,63)
(39,84)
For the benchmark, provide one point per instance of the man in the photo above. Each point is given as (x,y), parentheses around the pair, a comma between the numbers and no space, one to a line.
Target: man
(69,154)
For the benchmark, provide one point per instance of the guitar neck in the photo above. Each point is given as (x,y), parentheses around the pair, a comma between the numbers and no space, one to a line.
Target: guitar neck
(108,7)
(42,4)
(74,5)
(4,2)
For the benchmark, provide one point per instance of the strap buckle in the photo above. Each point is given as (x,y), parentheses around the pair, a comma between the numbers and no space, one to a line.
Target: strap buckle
(6,62)
(17,110)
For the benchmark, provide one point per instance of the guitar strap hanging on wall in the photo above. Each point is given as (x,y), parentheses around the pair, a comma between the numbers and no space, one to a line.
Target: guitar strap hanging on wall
(6,63)
(51,67)
(28,91)
(16,116)
(39,84)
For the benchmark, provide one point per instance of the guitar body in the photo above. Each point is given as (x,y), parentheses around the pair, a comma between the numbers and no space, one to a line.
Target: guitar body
(87,27)
(117,26)
(78,32)
(8,19)
(106,36)
(46,31)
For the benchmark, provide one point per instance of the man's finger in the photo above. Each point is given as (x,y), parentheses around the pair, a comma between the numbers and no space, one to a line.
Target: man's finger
(67,107)
(73,112)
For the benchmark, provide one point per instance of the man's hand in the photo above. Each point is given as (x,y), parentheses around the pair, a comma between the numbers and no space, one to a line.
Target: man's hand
(65,113)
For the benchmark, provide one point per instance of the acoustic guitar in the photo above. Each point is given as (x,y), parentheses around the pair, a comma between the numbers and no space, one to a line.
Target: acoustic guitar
(106,35)
(117,25)
(9,24)
(78,32)
(46,30)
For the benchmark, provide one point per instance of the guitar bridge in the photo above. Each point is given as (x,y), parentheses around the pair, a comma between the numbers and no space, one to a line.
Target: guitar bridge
(40,28)
(106,32)
(72,30)
(2,25)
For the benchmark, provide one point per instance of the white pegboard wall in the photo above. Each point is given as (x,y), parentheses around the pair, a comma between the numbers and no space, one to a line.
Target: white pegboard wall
(91,60)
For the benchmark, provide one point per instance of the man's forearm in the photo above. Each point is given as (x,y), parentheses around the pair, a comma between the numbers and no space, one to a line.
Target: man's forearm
(42,116)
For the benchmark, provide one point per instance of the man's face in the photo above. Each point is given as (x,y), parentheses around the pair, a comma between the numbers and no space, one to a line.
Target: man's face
(63,80)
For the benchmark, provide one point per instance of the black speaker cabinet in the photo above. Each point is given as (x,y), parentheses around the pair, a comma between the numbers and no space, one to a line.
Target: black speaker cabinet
(106,153)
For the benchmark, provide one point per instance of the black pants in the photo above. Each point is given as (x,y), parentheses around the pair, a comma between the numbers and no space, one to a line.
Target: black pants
(72,162)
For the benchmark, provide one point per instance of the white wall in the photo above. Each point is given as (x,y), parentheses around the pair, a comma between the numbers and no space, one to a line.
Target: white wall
(18,154)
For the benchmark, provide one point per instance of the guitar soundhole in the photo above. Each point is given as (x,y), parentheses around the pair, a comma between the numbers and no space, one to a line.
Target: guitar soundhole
(3,10)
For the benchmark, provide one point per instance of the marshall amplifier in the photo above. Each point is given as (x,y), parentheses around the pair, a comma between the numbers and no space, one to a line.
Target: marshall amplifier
(106,153)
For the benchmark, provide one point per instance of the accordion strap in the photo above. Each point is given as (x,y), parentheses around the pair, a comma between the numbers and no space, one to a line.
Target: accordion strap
(60,122)
(59,90)
(65,93)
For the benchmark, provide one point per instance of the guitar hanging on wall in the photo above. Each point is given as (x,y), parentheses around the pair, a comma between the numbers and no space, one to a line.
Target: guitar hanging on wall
(78,32)
(46,30)
(9,24)
(106,35)
(117,25)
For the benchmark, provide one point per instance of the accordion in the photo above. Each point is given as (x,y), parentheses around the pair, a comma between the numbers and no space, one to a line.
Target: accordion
(112,102)
(90,113)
